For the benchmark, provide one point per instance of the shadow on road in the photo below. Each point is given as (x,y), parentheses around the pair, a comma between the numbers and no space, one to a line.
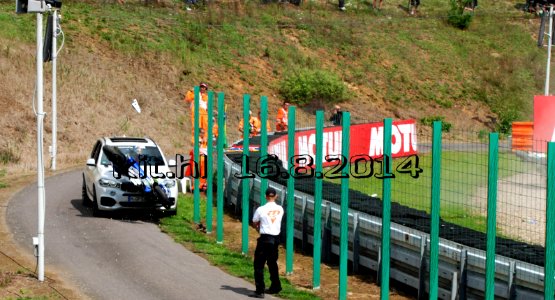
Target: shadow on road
(78,204)
(238,290)
(125,215)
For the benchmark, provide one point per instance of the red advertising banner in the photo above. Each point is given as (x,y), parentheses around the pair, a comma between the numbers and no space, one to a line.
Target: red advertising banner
(365,139)
(544,122)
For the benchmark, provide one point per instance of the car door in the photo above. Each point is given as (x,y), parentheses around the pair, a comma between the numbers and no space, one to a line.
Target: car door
(90,171)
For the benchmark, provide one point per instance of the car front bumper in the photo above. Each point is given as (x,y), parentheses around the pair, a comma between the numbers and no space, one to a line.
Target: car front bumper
(112,199)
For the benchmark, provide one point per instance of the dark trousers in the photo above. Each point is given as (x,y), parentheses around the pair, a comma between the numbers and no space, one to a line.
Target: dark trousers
(266,252)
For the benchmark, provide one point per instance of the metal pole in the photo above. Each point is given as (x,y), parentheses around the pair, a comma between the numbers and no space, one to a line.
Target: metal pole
(549,51)
(54,109)
(196,158)
(386,209)
(220,172)
(318,201)
(290,213)
(435,209)
(225,126)
(210,167)
(491,233)
(549,272)
(344,220)
(40,163)
(263,144)
(245,181)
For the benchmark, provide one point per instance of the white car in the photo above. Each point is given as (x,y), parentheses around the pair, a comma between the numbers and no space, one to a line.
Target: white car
(106,190)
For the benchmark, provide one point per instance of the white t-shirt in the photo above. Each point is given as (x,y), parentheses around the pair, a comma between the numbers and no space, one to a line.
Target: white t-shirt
(201,103)
(269,215)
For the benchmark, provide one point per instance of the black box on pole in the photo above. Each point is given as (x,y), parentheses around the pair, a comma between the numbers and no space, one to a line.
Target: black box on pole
(48,36)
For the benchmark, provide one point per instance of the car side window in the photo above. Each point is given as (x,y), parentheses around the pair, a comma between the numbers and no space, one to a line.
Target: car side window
(96,151)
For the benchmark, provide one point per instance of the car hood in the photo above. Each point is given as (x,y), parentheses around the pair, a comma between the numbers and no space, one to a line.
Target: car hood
(108,172)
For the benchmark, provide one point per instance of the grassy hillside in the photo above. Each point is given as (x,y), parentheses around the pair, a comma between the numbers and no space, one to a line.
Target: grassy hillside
(393,65)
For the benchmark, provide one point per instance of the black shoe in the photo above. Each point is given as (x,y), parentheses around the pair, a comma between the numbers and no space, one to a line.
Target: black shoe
(257,295)
(272,291)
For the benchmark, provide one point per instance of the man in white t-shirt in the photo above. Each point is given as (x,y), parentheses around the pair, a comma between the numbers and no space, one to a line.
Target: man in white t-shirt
(267,219)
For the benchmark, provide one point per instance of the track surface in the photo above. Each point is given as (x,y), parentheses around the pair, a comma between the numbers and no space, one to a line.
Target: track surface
(118,258)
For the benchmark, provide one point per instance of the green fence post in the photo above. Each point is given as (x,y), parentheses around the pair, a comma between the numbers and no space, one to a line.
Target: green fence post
(549,272)
(245,181)
(290,229)
(209,162)
(224,130)
(317,252)
(435,205)
(344,229)
(263,144)
(196,171)
(491,222)
(386,208)
(220,172)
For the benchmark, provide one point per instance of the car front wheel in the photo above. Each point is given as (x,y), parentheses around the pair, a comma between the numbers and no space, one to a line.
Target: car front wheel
(84,195)
(95,211)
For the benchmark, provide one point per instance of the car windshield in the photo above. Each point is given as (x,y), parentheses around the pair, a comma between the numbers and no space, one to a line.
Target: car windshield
(151,154)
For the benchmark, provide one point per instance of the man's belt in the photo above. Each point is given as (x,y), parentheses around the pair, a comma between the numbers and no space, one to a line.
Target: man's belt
(268,238)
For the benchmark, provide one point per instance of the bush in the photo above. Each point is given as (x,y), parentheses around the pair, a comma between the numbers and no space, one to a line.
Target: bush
(310,86)
(457,15)
(506,119)
(428,121)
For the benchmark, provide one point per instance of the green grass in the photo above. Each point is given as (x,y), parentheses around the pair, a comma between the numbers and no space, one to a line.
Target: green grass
(16,27)
(3,183)
(181,228)
(462,173)
(9,153)
(406,60)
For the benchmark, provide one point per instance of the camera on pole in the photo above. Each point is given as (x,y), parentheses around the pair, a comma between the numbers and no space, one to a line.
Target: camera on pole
(35,6)
(39,7)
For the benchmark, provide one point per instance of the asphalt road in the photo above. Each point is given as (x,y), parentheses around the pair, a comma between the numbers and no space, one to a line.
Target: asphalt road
(118,258)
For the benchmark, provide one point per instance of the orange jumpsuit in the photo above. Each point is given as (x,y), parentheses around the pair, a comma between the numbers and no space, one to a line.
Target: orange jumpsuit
(201,164)
(281,119)
(253,126)
(203,110)
(215,131)
(257,124)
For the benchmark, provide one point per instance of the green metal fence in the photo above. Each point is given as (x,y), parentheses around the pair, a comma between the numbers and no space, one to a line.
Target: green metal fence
(464,178)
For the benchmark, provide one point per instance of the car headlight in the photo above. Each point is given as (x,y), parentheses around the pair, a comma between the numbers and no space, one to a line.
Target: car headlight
(169,183)
(109,183)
